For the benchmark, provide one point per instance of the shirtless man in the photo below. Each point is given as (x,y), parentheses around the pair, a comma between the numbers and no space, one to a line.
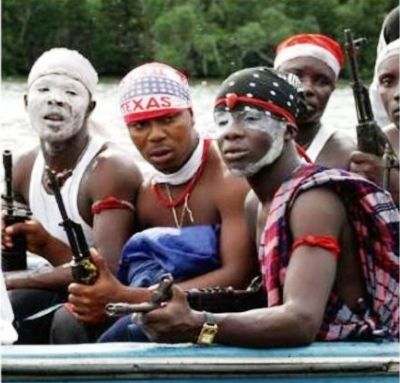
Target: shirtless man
(59,101)
(190,187)
(313,261)
(369,165)
(317,60)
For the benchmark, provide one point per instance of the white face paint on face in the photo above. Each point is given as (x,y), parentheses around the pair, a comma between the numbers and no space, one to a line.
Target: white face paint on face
(276,136)
(57,106)
(262,137)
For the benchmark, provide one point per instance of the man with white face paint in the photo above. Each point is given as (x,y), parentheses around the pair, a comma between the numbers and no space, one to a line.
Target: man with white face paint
(98,182)
(44,100)
(323,226)
(369,165)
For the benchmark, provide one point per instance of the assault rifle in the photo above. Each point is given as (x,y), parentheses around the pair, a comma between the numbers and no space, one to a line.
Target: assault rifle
(83,269)
(14,258)
(214,300)
(370,137)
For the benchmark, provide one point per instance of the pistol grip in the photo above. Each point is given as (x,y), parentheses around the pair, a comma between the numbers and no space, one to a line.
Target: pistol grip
(14,258)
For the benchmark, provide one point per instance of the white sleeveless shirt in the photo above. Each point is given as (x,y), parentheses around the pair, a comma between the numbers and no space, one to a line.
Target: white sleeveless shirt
(317,144)
(43,205)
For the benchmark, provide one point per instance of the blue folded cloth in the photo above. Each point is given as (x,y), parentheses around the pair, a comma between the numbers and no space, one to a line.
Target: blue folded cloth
(185,253)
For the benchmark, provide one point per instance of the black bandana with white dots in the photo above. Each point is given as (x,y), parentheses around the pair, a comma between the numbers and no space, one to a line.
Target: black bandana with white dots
(278,93)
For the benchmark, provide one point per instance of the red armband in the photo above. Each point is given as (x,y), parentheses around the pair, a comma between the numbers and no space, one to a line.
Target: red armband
(326,242)
(111,203)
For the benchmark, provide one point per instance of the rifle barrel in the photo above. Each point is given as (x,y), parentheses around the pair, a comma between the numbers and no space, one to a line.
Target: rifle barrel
(57,194)
(7,162)
(66,222)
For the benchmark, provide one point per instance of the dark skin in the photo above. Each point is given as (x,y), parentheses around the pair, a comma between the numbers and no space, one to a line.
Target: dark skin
(367,164)
(167,143)
(318,81)
(111,173)
(311,275)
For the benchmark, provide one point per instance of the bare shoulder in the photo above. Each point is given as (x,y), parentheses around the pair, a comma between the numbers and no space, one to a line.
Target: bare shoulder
(114,168)
(118,159)
(337,151)
(317,211)
(251,204)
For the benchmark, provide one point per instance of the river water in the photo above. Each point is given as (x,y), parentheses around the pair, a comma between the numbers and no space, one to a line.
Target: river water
(17,135)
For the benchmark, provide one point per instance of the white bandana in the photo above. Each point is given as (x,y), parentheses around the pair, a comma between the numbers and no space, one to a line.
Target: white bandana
(185,173)
(67,62)
(390,50)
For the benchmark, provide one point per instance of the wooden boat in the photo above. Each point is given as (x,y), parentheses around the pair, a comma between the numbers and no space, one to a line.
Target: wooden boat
(144,362)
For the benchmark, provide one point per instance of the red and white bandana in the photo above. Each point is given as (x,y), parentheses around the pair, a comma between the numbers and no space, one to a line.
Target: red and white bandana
(153,90)
(315,45)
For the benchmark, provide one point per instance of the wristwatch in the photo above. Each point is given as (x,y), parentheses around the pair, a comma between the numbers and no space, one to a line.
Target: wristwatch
(208,331)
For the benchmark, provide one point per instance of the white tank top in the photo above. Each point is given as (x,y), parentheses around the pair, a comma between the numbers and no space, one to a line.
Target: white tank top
(43,205)
(319,141)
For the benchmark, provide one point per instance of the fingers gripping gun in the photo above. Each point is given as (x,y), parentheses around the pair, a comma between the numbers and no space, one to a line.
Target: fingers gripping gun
(161,294)
(83,269)
(14,258)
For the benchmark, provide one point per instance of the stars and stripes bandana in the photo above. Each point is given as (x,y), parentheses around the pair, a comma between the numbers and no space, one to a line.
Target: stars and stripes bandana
(153,90)
(263,87)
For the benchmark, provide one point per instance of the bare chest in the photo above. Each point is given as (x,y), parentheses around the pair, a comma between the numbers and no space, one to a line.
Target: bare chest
(197,209)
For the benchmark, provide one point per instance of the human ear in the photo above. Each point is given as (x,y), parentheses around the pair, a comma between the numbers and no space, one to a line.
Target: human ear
(90,108)
(290,132)
(191,115)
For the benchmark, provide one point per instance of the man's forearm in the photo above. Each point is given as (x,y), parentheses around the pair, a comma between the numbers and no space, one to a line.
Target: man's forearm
(56,252)
(43,278)
(272,327)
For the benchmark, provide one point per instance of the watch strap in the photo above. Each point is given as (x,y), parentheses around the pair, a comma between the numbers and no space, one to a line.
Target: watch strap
(209,330)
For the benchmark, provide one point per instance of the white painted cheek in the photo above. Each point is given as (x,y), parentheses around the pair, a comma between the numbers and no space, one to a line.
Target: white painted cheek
(35,110)
(275,150)
(78,111)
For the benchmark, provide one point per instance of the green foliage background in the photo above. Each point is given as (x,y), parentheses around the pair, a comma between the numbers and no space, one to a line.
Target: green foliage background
(203,38)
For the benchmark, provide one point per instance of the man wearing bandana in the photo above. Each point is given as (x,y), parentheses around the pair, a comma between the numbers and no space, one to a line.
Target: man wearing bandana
(389,32)
(329,249)
(190,210)
(317,60)
(99,185)
(369,165)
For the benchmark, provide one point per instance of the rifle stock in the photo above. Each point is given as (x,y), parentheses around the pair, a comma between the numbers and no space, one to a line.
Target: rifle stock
(14,258)
(83,269)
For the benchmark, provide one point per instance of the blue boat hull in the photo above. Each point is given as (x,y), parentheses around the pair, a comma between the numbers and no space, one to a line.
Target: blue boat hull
(145,362)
